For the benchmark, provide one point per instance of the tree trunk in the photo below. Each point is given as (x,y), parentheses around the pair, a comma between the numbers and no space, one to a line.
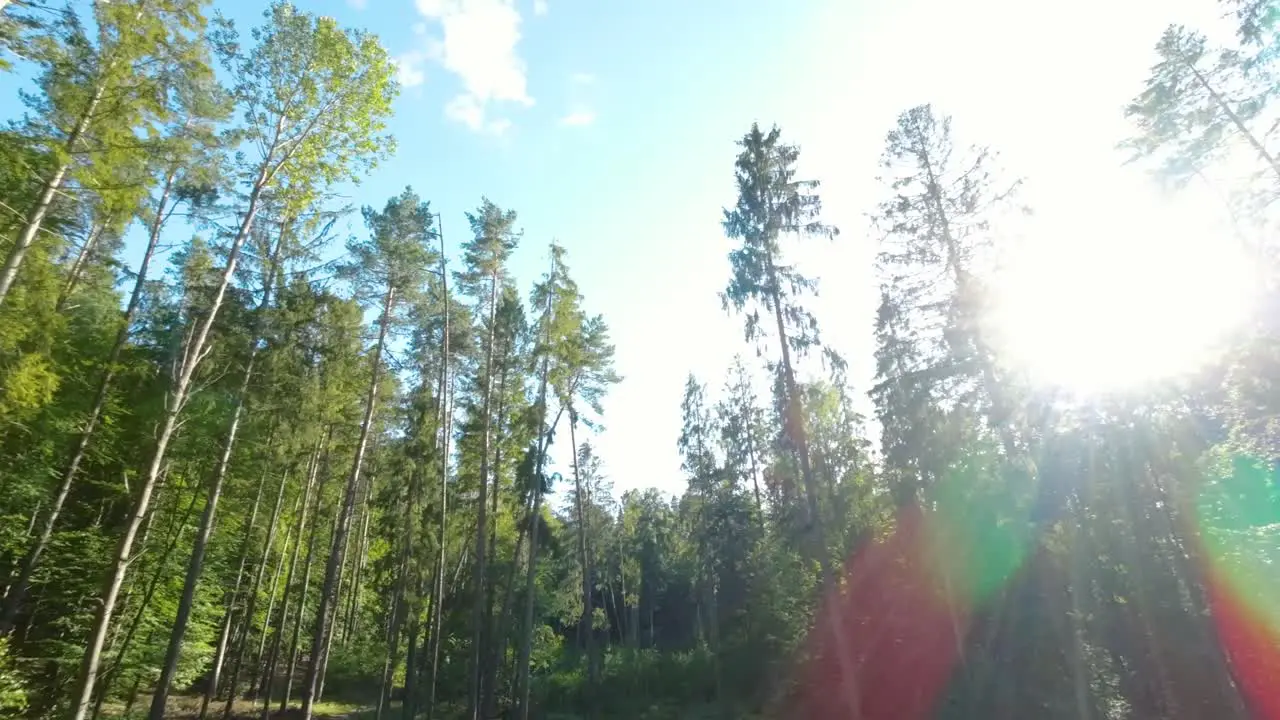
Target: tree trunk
(755,471)
(174,402)
(300,527)
(1235,119)
(445,392)
(410,660)
(18,588)
(586,633)
(278,636)
(817,538)
(246,625)
(362,549)
(117,663)
(398,611)
(535,517)
(494,643)
(306,581)
(479,622)
(333,566)
(196,566)
(260,658)
(224,634)
(9,272)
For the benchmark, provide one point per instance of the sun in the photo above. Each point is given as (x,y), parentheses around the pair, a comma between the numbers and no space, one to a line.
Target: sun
(1140,294)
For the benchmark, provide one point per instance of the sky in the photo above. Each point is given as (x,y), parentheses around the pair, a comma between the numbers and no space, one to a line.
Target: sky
(610,127)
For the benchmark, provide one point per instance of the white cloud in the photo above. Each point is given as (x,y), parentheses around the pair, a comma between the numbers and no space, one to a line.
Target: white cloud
(466,110)
(579,118)
(469,111)
(409,70)
(540,7)
(479,46)
(358,4)
(582,78)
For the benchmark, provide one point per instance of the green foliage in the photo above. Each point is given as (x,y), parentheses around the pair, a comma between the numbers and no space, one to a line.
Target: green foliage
(1114,559)
(13,694)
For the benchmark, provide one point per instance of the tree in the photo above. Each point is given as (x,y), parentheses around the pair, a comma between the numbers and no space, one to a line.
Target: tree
(557,298)
(772,204)
(101,94)
(185,158)
(484,259)
(391,266)
(315,100)
(1193,109)
(935,359)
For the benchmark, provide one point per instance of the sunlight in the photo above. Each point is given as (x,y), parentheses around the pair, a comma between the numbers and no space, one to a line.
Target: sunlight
(1146,293)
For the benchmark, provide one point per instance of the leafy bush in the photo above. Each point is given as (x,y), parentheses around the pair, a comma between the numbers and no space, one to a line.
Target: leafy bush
(13,693)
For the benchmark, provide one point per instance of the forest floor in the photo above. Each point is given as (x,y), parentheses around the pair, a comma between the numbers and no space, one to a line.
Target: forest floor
(187,707)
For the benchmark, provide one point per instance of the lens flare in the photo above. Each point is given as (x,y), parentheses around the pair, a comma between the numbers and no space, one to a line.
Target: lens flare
(888,645)
(1239,518)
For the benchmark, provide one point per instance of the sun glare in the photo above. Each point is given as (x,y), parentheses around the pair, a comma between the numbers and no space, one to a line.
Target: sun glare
(1136,299)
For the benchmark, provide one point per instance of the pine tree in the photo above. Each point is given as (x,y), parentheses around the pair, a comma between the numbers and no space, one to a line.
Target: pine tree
(773,204)
(389,268)
(484,257)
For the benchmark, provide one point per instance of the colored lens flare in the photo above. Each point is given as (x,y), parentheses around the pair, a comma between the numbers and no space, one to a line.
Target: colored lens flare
(1239,518)
(909,599)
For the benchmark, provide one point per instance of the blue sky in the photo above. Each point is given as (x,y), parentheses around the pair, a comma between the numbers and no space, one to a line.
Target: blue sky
(610,125)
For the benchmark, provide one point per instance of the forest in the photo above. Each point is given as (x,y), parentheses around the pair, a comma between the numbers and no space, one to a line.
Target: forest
(255,466)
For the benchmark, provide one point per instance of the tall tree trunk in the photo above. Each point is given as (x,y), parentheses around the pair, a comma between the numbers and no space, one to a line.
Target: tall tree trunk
(174,402)
(410,661)
(1235,119)
(228,615)
(35,218)
(353,606)
(306,580)
(500,646)
(196,566)
(795,427)
(260,658)
(755,471)
(479,622)
(299,528)
(398,610)
(246,625)
(494,643)
(535,517)
(586,632)
(445,393)
(18,588)
(333,566)
(15,563)
(122,648)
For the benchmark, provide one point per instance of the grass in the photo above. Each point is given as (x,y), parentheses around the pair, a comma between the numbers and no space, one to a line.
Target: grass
(188,706)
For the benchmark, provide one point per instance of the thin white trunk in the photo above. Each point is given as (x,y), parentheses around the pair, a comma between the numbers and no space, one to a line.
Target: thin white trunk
(224,635)
(174,403)
(13,600)
(334,565)
(246,624)
(9,271)
(479,621)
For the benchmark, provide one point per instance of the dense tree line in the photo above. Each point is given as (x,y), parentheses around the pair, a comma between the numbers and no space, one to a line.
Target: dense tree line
(258,479)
